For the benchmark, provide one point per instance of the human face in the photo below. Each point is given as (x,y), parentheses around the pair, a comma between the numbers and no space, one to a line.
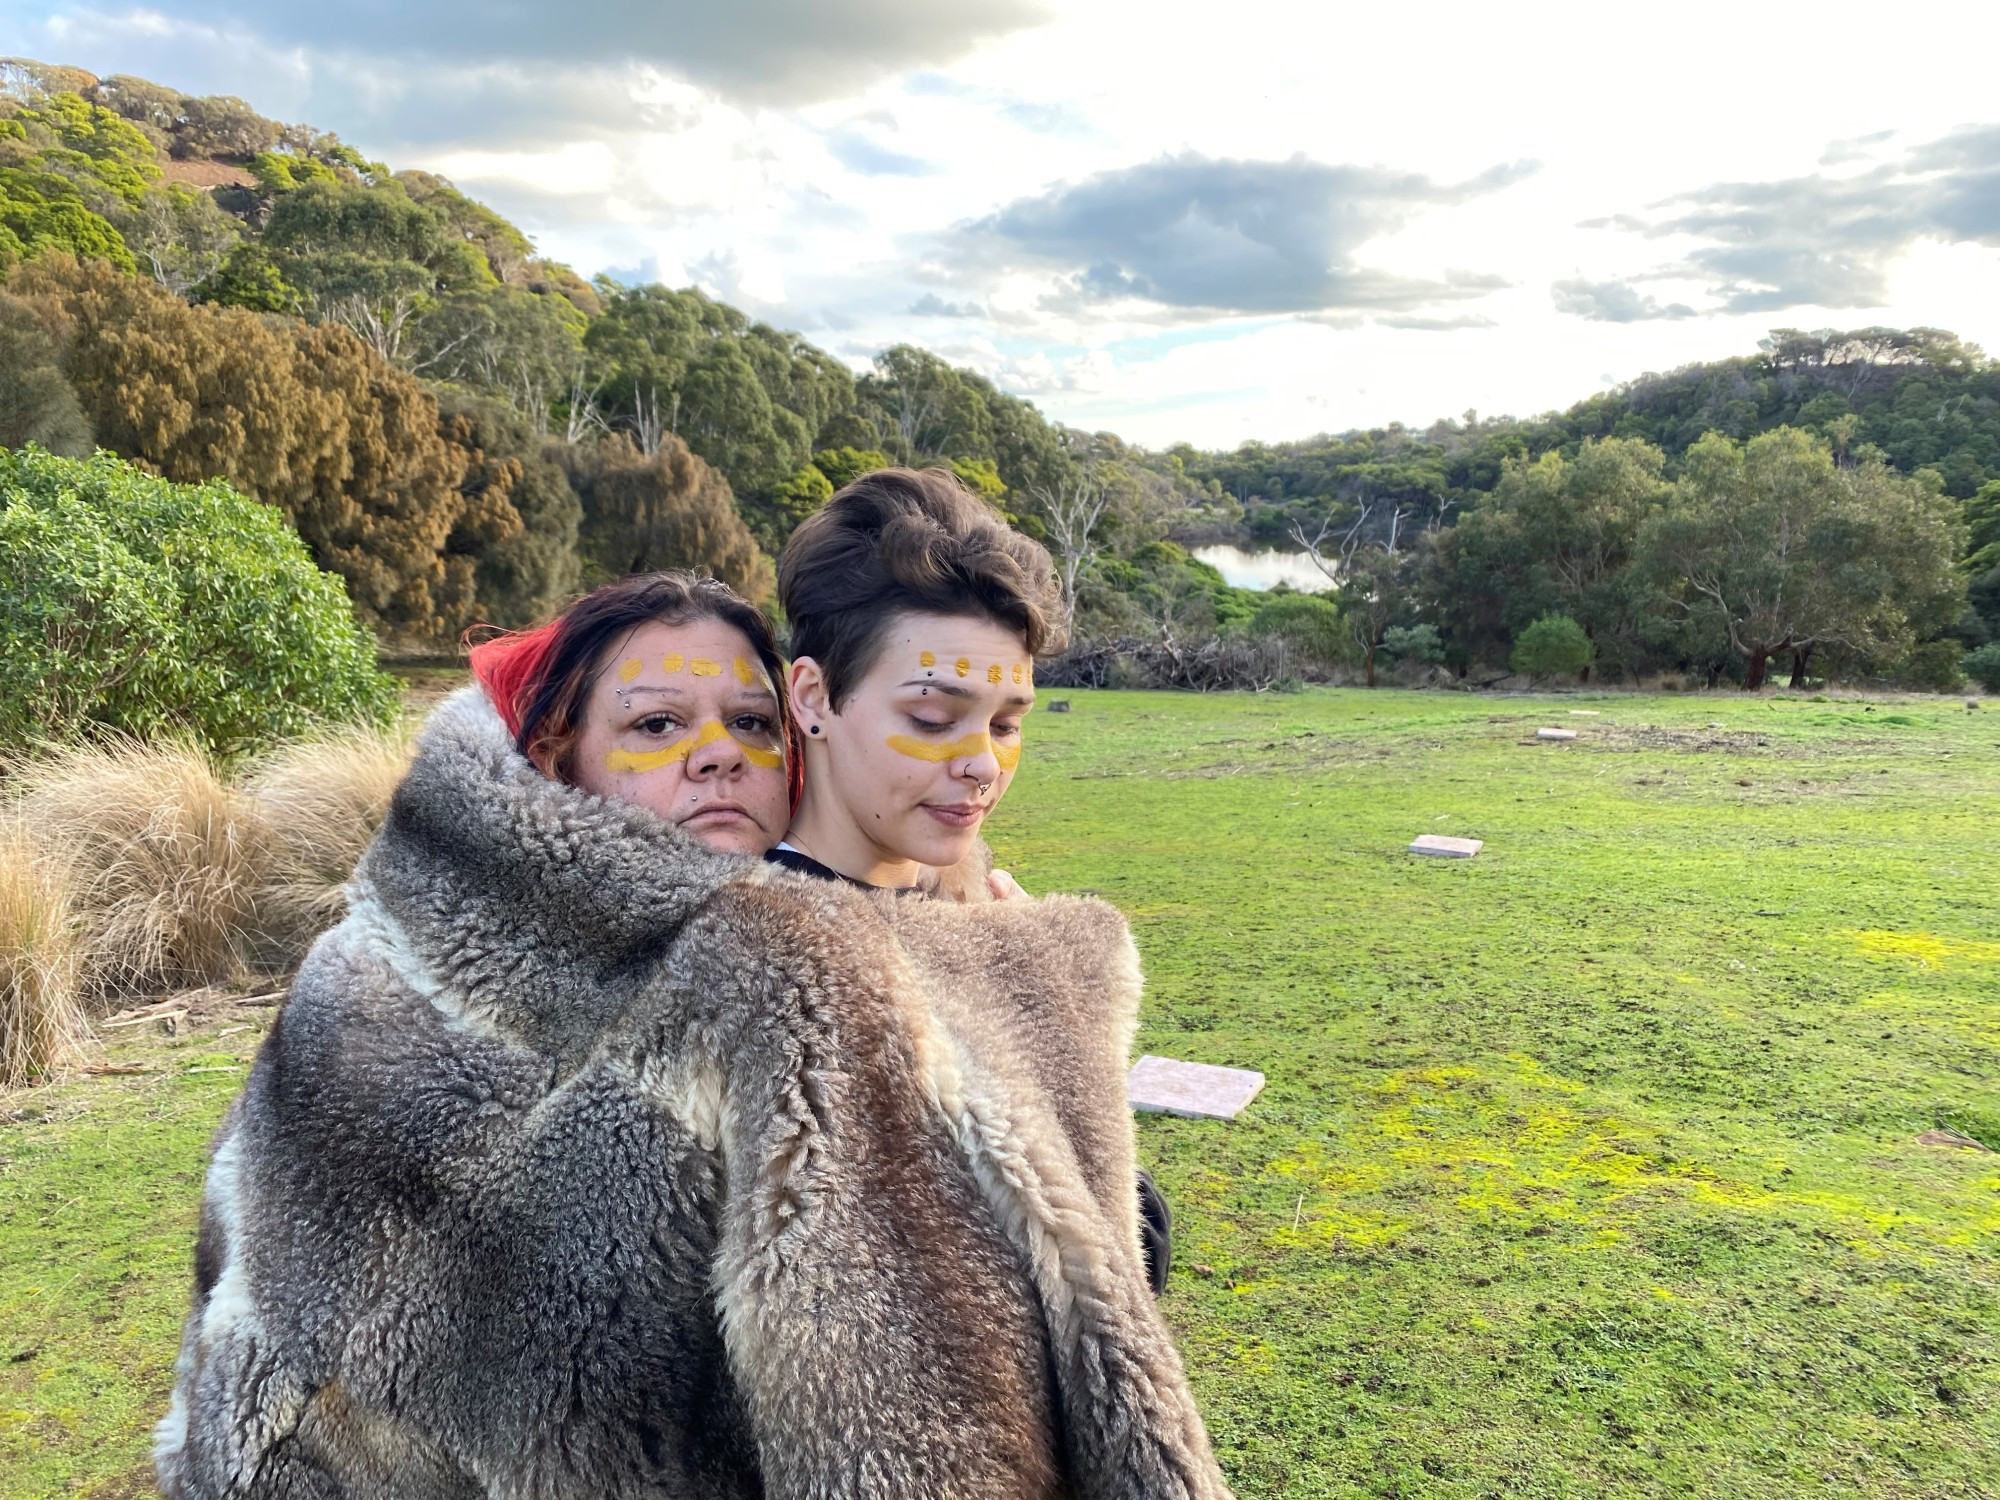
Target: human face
(683,721)
(924,747)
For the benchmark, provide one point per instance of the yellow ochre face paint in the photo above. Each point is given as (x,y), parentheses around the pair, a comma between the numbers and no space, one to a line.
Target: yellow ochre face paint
(745,673)
(629,668)
(977,743)
(701,666)
(962,666)
(681,749)
(675,662)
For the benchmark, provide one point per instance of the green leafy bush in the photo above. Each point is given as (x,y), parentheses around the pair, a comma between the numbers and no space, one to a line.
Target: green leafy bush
(1309,625)
(134,604)
(1933,667)
(1983,666)
(1553,646)
(1419,645)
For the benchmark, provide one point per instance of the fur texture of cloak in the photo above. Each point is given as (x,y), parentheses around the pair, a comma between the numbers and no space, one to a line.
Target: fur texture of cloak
(584,1162)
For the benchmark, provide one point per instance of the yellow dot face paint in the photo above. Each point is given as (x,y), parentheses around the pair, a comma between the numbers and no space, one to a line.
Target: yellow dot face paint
(993,672)
(927,660)
(1017,671)
(745,673)
(978,743)
(629,668)
(675,662)
(962,666)
(701,666)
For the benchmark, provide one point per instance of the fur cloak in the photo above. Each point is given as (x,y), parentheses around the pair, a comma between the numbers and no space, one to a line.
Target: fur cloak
(584,1162)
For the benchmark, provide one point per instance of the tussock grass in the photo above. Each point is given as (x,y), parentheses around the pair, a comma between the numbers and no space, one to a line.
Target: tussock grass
(321,802)
(165,858)
(41,1016)
(175,873)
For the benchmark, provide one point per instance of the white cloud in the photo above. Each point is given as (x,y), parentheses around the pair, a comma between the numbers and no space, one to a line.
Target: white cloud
(816,161)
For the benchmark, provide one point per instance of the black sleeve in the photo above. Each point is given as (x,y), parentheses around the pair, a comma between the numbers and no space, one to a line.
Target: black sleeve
(1156,1232)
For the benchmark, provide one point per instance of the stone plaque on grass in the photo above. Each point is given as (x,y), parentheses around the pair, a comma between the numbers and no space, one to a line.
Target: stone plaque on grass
(1196,1091)
(1555,734)
(1446,847)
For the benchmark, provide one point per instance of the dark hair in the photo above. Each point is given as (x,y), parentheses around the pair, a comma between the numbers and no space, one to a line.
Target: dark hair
(902,541)
(539,679)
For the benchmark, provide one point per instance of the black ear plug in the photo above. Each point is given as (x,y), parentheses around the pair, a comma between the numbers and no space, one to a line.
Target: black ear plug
(815,729)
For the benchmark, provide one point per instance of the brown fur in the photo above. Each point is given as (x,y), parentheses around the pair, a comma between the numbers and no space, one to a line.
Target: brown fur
(582,1161)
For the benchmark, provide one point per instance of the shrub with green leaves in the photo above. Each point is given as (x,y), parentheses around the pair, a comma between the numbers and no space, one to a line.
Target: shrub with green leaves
(130,603)
(1554,646)
(1308,624)
(1933,667)
(1983,666)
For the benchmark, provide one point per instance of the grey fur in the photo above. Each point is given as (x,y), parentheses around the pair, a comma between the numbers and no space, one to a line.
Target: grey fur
(582,1161)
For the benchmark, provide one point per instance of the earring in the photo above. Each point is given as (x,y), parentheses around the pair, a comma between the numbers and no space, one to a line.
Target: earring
(815,729)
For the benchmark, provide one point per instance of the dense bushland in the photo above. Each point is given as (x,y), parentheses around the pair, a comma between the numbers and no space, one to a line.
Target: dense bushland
(466,431)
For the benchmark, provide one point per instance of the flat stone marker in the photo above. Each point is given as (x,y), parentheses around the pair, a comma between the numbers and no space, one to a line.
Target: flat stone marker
(1195,1091)
(1555,734)
(1446,846)
(1585,713)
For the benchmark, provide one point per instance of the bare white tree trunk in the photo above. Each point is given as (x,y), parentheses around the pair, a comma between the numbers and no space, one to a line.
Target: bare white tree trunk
(1074,506)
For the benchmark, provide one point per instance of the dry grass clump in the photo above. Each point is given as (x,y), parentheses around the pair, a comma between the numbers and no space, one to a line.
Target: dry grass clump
(321,802)
(41,1014)
(165,861)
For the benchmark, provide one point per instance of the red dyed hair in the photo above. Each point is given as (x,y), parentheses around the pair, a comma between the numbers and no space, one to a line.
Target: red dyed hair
(509,666)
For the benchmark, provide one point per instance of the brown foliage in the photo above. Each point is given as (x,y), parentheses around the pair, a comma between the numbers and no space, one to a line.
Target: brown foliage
(305,418)
(669,510)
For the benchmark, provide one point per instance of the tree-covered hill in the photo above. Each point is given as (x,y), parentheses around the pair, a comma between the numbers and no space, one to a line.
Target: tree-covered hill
(466,430)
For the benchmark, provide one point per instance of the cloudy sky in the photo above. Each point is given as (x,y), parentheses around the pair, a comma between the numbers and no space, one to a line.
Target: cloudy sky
(1203,222)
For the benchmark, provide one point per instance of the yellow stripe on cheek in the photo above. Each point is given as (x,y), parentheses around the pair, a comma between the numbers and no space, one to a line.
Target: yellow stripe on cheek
(652,760)
(770,760)
(646,760)
(1008,756)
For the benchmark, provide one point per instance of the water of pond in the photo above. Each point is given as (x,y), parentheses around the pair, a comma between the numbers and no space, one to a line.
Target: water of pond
(1261,570)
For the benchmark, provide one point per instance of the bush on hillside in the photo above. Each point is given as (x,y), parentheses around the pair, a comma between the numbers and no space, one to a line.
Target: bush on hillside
(304,417)
(1934,667)
(1983,666)
(1554,646)
(140,606)
(667,510)
(36,403)
(1308,625)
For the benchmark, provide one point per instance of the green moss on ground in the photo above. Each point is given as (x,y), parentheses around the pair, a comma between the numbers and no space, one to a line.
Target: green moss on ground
(1586,1167)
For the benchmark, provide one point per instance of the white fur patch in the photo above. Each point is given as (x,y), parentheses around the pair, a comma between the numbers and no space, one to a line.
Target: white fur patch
(375,931)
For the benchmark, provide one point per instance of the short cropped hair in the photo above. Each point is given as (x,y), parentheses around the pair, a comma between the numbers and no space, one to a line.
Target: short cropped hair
(909,541)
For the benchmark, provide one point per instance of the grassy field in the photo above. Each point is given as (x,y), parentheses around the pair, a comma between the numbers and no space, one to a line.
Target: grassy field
(1587,1167)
